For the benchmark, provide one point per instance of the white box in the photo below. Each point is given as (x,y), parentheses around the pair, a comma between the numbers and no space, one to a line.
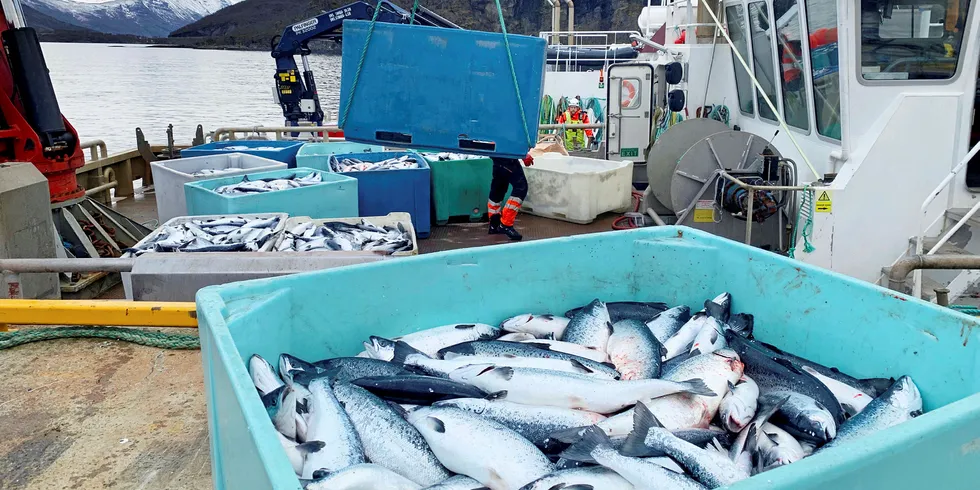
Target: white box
(169,177)
(577,189)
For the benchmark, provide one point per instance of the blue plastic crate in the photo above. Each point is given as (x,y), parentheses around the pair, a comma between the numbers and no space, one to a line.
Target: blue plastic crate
(387,191)
(280,151)
(450,89)
(335,197)
(835,320)
(317,155)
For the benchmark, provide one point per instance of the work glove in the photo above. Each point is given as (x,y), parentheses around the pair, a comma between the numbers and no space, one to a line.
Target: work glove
(528,160)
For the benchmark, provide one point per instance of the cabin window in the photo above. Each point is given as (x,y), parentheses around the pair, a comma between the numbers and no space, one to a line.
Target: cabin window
(629,93)
(762,56)
(743,82)
(789,46)
(821,20)
(911,39)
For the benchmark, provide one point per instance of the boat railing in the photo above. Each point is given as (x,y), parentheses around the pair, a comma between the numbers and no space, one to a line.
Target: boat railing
(305,133)
(97,149)
(920,238)
(599,40)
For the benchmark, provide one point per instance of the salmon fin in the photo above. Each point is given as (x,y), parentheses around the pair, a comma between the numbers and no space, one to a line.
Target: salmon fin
(403,350)
(582,451)
(570,435)
(581,367)
(310,446)
(635,443)
(465,326)
(696,386)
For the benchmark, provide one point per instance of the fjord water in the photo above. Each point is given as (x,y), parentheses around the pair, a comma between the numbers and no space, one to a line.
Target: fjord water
(106,91)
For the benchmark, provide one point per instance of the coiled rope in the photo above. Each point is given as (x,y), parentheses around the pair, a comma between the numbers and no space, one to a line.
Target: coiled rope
(135,336)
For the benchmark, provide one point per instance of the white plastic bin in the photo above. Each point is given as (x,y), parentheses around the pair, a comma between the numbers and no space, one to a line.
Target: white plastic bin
(391,219)
(169,177)
(577,189)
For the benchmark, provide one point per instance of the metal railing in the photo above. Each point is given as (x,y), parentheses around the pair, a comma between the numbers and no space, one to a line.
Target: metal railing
(231,133)
(575,42)
(920,238)
(95,148)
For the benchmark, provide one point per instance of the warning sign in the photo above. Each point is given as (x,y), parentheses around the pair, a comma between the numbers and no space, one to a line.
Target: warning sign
(704,212)
(824,204)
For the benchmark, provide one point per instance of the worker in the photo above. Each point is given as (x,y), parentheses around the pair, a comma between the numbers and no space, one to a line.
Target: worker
(575,115)
(507,172)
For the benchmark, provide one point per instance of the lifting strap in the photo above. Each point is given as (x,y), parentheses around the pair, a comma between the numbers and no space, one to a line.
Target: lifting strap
(510,60)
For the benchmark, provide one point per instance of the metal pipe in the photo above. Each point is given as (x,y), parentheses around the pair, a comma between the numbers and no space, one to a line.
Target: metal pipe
(901,269)
(555,21)
(571,22)
(650,43)
(565,127)
(104,187)
(748,217)
(952,174)
(66,265)
(655,217)
(942,296)
(93,146)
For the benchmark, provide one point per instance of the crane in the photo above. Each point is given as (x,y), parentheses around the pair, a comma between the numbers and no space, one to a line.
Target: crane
(296,91)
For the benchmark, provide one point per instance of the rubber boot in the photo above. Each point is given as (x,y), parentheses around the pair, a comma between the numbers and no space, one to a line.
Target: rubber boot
(494,224)
(511,232)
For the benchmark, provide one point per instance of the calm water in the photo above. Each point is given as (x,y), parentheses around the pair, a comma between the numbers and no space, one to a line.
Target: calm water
(106,91)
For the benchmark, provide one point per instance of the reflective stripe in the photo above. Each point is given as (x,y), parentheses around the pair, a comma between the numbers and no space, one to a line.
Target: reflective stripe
(514,203)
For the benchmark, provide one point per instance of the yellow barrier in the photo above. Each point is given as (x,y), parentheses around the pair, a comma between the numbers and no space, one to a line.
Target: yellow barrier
(97,312)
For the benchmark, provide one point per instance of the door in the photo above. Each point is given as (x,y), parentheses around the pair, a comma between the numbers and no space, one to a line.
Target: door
(630,106)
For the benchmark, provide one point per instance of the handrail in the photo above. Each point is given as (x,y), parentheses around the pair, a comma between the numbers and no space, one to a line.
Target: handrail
(920,238)
(93,146)
(228,133)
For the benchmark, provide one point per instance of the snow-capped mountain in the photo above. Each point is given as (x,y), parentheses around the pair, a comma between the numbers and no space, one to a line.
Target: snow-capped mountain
(156,18)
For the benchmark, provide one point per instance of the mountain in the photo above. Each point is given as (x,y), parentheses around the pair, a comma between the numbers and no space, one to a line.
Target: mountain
(253,23)
(151,18)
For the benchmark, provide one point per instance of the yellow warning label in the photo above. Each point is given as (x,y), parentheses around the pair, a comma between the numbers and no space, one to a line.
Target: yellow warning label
(824,204)
(704,212)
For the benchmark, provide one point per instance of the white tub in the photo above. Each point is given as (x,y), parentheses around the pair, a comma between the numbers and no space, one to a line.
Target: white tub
(577,189)
(169,177)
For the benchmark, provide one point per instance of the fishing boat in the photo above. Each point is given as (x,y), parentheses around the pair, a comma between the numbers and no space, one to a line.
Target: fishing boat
(842,138)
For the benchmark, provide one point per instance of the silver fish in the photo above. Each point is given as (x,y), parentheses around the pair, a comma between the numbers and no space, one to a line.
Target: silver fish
(595,446)
(516,337)
(263,376)
(479,448)
(777,447)
(431,340)
(364,477)
(667,323)
(537,349)
(738,407)
(458,482)
(708,467)
(405,354)
(591,327)
(709,339)
(634,350)
(900,403)
(592,477)
(802,416)
(570,348)
(851,399)
(534,423)
(388,440)
(541,326)
(290,418)
(328,422)
(297,452)
(684,338)
(549,388)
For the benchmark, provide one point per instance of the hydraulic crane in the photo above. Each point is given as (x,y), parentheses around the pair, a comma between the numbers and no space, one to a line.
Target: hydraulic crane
(32,127)
(295,91)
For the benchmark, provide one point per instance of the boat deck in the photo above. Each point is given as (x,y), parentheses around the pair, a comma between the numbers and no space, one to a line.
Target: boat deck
(82,414)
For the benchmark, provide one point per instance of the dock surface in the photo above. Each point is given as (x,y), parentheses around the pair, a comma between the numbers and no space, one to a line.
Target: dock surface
(89,413)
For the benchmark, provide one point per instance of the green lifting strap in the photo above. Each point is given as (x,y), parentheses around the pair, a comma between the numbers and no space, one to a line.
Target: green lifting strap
(415,8)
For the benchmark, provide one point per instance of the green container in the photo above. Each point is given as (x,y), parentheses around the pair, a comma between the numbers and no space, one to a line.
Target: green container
(317,155)
(460,187)
(863,329)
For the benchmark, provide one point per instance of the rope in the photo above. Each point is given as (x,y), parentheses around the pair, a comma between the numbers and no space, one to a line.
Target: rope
(360,65)
(966,309)
(548,112)
(596,105)
(142,337)
(415,8)
(513,73)
(805,212)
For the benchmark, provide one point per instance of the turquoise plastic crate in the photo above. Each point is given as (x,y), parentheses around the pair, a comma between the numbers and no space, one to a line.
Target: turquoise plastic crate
(839,321)
(335,197)
(390,191)
(452,89)
(280,151)
(317,155)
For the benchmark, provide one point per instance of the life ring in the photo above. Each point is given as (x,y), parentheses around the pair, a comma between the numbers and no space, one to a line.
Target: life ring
(626,99)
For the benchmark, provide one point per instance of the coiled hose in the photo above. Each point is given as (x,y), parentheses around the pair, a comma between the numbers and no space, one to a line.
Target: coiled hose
(625,222)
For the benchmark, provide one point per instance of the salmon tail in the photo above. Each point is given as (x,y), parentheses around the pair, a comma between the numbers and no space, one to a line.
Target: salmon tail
(635,443)
(592,438)
(696,386)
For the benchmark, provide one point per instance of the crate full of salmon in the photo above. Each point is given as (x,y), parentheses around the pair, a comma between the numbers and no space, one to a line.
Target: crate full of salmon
(655,358)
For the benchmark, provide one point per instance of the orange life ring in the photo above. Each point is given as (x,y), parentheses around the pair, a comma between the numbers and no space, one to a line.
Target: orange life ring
(628,100)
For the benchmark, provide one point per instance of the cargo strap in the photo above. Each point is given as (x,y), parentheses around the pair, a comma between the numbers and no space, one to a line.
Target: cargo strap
(805,212)
(136,336)
(510,60)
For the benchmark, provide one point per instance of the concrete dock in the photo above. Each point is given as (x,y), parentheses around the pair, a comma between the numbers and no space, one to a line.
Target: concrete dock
(84,413)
